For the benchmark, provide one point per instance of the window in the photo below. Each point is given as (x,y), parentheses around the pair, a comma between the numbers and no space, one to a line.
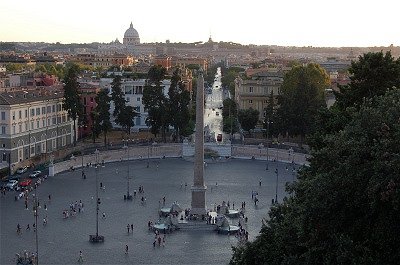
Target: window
(91,99)
(37,111)
(53,108)
(138,99)
(251,101)
(251,90)
(84,101)
(43,110)
(54,120)
(32,112)
(20,128)
(58,107)
(48,122)
(13,115)
(26,126)
(32,125)
(137,108)
(20,114)
(3,129)
(26,113)
(38,124)
(48,109)
(43,123)
(3,115)
(13,129)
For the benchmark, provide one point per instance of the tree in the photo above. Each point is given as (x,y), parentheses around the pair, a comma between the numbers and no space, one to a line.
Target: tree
(345,207)
(179,99)
(302,94)
(72,102)
(118,98)
(126,118)
(372,75)
(156,102)
(270,115)
(229,116)
(102,123)
(248,118)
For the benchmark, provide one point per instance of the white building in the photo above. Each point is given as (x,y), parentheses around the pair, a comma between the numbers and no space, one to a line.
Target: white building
(133,90)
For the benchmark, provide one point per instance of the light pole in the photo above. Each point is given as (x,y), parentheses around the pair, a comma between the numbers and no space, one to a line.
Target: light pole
(276,188)
(81,134)
(35,214)
(97,238)
(148,153)
(268,122)
(126,147)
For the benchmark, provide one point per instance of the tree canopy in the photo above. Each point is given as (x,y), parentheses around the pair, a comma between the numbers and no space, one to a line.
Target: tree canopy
(302,95)
(248,118)
(101,115)
(372,75)
(345,207)
(72,101)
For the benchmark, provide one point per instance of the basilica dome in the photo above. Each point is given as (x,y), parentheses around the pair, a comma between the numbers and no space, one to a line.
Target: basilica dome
(131,36)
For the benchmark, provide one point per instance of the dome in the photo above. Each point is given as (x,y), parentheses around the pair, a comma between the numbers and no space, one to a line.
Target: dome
(131,32)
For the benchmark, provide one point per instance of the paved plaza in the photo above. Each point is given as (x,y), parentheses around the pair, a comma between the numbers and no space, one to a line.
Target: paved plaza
(61,239)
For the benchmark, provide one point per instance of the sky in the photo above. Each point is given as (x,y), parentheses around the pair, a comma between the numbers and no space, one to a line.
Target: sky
(318,23)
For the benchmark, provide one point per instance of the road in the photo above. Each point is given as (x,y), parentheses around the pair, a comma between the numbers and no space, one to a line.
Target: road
(213,108)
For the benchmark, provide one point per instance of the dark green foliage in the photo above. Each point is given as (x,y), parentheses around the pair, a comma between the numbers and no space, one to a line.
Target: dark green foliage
(248,118)
(372,75)
(178,100)
(302,95)
(345,207)
(229,116)
(72,102)
(101,115)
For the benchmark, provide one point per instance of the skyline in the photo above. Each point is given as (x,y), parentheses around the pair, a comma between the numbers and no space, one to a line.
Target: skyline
(284,23)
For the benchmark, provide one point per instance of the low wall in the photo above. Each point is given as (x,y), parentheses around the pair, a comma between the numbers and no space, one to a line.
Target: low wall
(179,150)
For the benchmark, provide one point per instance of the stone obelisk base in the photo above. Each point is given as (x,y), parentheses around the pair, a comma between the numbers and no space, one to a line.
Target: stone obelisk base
(198,200)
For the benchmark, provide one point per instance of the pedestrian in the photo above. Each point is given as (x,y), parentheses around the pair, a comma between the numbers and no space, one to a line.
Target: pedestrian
(126,249)
(28,227)
(128,227)
(154,243)
(80,256)
(132,228)
(259,183)
(104,215)
(45,207)
(163,241)
(49,197)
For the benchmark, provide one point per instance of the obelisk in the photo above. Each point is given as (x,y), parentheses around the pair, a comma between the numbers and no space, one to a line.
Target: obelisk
(198,188)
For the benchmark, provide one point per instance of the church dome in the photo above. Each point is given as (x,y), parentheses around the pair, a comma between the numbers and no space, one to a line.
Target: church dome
(131,32)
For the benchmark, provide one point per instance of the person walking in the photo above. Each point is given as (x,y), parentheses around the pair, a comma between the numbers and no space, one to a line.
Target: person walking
(126,249)
(80,259)
(128,227)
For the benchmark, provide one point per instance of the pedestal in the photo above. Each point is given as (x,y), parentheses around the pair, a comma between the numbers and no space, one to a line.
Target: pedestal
(198,200)
(51,170)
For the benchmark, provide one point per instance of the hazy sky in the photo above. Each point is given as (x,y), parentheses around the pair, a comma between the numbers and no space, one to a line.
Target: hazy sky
(279,22)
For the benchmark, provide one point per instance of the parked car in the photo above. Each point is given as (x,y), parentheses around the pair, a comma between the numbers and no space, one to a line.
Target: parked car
(11,184)
(25,183)
(35,174)
(22,170)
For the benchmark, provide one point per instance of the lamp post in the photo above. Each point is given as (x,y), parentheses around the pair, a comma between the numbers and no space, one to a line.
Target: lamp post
(148,153)
(126,147)
(276,188)
(268,122)
(81,134)
(35,214)
(97,238)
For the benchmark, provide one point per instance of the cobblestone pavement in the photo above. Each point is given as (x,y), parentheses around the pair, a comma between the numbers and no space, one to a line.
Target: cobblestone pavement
(61,239)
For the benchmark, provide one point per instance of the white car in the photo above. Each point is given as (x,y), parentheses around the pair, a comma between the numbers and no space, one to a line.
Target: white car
(22,170)
(12,184)
(35,174)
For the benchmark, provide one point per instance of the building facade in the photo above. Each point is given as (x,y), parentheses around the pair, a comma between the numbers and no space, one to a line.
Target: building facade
(254,93)
(33,122)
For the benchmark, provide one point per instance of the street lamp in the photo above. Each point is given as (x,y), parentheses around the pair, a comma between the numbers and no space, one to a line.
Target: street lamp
(148,153)
(81,134)
(35,214)
(268,122)
(276,188)
(97,238)
(126,147)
